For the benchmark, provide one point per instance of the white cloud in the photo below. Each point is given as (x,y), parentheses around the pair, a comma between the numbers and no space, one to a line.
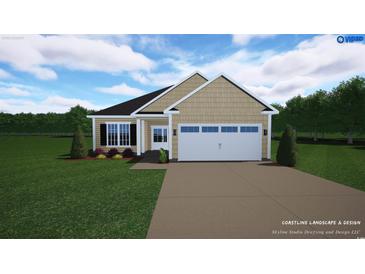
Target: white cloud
(35,54)
(15,91)
(56,104)
(284,90)
(122,89)
(279,76)
(244,39)
(159,44)
(275,76)
(4,74)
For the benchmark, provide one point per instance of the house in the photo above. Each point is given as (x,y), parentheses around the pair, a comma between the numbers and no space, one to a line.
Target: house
(195,120)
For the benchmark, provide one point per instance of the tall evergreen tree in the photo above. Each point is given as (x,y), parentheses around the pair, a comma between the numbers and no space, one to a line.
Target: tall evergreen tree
(287,152)
(78,148)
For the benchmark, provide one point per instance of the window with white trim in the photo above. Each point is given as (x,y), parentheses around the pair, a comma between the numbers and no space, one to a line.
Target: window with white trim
(118,134)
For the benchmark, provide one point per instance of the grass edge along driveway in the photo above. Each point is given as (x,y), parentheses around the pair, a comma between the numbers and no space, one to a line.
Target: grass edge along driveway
(344,164)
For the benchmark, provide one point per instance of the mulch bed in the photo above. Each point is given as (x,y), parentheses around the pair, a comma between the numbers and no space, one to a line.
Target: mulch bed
(94,158)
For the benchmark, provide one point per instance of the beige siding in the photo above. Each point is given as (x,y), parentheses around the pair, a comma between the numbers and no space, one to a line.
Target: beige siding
(99,121)
(219,102)
(177,93)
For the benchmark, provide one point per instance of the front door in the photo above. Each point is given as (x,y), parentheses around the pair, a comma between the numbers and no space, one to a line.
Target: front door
(159,137)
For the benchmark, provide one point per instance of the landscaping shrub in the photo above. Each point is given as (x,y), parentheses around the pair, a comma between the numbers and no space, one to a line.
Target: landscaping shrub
(78,148)
(163,156)
(112,152)
(117,157)
(127,153)
(287,154)
(99,151)
(96,152)
(100,156)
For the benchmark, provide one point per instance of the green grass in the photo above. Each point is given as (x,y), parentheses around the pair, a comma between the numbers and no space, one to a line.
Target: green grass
(344,164)
(45,197)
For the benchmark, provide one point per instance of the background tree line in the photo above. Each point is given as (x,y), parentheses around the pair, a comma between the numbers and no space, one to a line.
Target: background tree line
(45,123)
(342,110)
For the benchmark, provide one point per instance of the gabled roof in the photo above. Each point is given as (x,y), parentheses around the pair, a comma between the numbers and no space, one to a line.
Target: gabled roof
(268,108)
(140,109)
(128,107)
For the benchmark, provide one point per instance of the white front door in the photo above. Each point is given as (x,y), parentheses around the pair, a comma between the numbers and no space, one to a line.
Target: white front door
(159,137)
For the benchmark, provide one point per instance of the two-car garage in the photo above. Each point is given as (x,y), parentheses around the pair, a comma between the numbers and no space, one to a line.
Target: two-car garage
(219,142)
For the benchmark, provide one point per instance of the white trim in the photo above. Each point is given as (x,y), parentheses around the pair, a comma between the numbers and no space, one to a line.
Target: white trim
(94,134)
(109,116)
(142,137)
(150,115)
(127,122)
(168,90)
(268,136)
(159,126)
(210,81)
(172,112)
(138,126)
(270,112)
(169,132)
(118,133)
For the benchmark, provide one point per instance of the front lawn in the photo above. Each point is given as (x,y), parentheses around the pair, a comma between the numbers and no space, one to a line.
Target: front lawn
(344,164)
(45,197)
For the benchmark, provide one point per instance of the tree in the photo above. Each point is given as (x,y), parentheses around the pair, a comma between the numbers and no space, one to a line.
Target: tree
(348,101)
(287,154)
(316,112)
(78,148)
(77,117)
(295,113)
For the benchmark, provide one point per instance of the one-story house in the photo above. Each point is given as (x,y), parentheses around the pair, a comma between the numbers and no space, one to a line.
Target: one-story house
(195,120)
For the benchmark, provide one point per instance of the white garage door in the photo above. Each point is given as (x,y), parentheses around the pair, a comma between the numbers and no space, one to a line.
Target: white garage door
(219,142)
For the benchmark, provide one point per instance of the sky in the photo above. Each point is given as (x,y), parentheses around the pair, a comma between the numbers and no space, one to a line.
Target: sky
(51,73)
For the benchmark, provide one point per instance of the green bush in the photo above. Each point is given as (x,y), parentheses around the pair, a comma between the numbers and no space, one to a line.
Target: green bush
(78,148)
(287,153)
(163,156)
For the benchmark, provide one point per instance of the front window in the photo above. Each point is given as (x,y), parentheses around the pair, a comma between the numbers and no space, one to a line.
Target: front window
(118,134)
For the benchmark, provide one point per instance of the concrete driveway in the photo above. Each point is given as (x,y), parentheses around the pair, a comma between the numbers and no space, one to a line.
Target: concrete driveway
(254,200)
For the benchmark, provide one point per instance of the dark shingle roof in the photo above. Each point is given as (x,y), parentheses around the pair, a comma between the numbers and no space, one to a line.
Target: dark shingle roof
(130,106)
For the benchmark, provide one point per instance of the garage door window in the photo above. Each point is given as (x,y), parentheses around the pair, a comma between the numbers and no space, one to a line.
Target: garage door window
(229,129)
(249,129)
(210,129)
(189,129)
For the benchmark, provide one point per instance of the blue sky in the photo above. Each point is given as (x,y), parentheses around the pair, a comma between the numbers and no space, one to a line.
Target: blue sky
(52,73)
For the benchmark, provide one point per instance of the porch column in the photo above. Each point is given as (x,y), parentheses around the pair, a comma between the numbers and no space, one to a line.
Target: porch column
(142,135)
(169,131)
(138,126)
(268,136)
(94,134)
